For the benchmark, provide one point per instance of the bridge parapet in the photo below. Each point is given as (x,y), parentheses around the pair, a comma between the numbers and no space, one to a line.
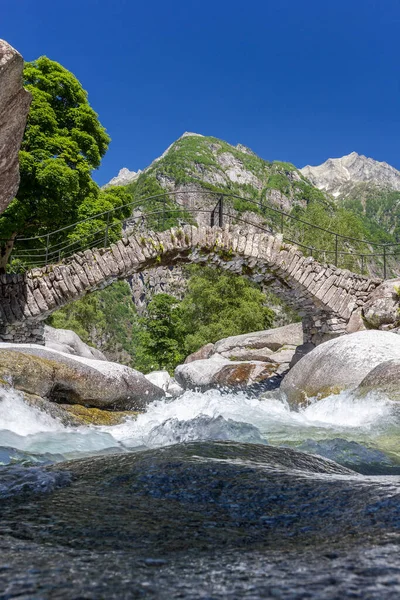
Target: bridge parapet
(324,295)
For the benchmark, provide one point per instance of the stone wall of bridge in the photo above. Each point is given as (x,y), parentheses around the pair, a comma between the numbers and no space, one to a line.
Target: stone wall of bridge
(324,295)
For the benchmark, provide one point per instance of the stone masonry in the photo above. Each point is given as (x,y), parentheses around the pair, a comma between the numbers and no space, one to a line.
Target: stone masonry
(326,296)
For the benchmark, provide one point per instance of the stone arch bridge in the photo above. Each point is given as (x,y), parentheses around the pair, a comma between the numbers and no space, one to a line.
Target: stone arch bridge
(328,298)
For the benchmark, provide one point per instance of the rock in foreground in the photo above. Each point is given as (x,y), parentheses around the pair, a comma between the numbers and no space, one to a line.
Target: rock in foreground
(74,380)
(339,364)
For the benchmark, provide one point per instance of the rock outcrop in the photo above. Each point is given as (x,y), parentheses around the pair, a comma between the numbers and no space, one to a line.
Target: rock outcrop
(67,379)
(334,175)
(339,364)
(14,107)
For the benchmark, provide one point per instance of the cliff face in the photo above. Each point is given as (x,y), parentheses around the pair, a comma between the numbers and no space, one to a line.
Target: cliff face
(14,107)
(336,176)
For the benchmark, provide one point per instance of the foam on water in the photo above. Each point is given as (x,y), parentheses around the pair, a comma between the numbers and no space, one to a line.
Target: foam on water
(212,415)
(342,414)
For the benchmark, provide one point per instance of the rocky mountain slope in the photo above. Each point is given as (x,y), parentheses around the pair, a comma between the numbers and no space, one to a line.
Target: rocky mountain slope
(337,176)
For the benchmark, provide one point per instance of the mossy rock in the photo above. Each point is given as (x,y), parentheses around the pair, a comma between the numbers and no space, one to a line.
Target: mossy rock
(96,416)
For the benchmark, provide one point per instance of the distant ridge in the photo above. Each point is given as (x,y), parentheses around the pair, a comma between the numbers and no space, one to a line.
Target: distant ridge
(334,175)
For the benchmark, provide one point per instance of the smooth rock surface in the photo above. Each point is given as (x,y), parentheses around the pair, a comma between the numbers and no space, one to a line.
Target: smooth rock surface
(384,378)
(339,364)
(219,371)
(271,339)
(67,341)
(75,380)
(14,107)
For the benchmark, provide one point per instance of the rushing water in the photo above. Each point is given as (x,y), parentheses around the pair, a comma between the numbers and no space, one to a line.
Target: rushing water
(210,495)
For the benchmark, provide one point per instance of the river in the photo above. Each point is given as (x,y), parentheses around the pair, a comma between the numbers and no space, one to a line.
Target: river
(211,495)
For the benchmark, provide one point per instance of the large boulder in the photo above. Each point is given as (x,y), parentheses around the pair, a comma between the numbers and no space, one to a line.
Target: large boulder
(339,364)
(382,307)
(14,107)
(70,379)
(67,341)
(218,371)
(277,346)
(384,379)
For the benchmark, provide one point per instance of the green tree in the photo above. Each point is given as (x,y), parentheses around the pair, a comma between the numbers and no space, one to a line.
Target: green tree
(161,341)
(63,142)
(219,305)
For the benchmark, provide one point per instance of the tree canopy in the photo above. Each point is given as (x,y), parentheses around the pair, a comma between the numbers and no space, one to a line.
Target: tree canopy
(63,142)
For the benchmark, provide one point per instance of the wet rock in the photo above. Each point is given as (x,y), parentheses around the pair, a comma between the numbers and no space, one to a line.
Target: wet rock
(339,364)
(14,107)
(382,307)
(67,341)
(55,411)
(66,379)
(203,427)
(95,416)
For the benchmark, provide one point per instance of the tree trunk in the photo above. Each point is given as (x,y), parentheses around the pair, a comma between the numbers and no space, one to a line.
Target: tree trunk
(5,253)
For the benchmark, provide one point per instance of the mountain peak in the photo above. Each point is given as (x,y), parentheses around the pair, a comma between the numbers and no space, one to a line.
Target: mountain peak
(124,177)
(335,173)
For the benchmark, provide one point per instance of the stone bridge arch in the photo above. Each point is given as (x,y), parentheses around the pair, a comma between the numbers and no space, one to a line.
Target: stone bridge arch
(324,295)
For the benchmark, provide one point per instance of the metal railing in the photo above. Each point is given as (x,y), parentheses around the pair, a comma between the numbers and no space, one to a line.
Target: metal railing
(162,211)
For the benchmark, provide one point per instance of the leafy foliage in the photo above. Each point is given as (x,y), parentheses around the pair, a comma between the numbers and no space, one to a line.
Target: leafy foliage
(219,305)
(63,142)
(106,319)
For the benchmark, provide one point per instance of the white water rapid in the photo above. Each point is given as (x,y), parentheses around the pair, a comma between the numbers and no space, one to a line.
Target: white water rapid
(213,415)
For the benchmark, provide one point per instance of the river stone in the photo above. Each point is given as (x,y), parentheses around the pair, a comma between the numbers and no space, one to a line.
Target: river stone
(339,364)
(382,307)
(199,373)
(218,371)
(96,416)
(384,378)
(14,107)
(67,341)
(70,379)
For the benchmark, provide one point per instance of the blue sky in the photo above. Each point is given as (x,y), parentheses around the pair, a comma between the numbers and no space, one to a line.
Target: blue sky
(297,80)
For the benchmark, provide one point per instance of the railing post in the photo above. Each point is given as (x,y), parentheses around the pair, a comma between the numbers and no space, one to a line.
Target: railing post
(106,232)
(221,212)
(282,222)
(163,214)
(336,250)
(384,261)
(47,247)
(212,218)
